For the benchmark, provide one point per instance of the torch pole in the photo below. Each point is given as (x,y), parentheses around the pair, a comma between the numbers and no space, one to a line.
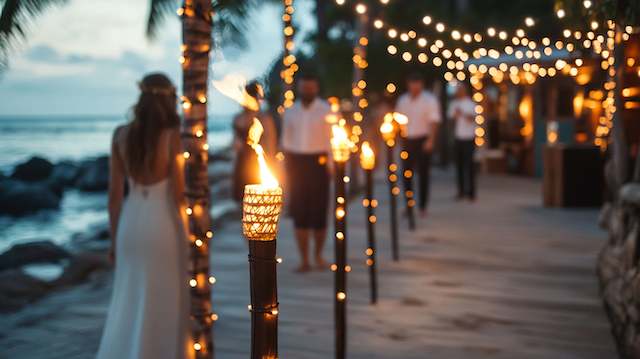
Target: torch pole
(341,260)
(264,299)
(408,193)
(260,211)
(393,192)
(371,237)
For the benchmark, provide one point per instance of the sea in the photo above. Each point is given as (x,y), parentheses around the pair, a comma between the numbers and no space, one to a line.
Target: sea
(68,138)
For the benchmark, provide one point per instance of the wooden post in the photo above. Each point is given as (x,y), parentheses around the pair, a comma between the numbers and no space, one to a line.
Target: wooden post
(394,190)
(340,266)
(371,236)
(264,299)
(408,192)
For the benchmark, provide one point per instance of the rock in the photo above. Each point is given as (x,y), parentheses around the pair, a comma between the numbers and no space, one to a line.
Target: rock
(94,175)
(95,239)
(80,268)
(32,252)
(35,169)
(18,289)
(64,174)
(19,198)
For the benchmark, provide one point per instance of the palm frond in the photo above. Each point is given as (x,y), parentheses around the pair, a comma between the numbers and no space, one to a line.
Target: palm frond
(16,17)
(231,20)
(157,12)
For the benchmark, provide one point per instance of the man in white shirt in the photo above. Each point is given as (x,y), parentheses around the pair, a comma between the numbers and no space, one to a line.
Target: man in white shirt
(306,142)
(462,111)
(422,109)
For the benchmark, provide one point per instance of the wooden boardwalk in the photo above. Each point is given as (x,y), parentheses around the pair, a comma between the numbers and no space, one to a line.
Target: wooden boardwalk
(501,278)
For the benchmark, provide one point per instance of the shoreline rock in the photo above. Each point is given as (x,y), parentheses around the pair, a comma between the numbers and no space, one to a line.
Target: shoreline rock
(40,251)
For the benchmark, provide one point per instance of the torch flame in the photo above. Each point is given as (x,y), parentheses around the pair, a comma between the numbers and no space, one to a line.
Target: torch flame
(233,86)
(253,139)
(386,127)
(400,118)
(340,143)
(367,157)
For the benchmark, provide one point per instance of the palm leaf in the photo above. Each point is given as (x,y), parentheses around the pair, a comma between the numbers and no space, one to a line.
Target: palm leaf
(158,10)
(231,20)
(17,15)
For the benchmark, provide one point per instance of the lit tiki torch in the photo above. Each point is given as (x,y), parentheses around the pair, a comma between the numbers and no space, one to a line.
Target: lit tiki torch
(368,162)
(388,132)
(341,148)
(261,208)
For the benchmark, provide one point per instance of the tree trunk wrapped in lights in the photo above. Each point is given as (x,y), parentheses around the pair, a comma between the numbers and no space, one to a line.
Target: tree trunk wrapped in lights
(288,59)
(196,33)
(341,149)
(388,132)
(368,162)
(261,208)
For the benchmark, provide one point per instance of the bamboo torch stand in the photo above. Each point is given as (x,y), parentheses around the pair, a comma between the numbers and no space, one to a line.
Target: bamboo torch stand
(393,193)
(341,261)
(409,193)
(261,209)
(388,132)
(341,149)
(367,161)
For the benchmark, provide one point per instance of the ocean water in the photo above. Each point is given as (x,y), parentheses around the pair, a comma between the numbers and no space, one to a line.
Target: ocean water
(75,138)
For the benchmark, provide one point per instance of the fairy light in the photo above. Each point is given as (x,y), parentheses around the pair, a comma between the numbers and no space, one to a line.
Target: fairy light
(290,67)
(360,63)
(605,122)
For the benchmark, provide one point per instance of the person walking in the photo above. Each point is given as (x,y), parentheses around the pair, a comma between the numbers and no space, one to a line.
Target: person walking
(462,112)
(246,161)
(422,109)
(306,143)
(149,312)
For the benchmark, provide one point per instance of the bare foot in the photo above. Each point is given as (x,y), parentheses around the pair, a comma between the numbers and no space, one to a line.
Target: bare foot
(321,264)
(303,268)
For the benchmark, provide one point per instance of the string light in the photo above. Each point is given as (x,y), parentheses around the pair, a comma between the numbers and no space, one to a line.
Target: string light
(290,67)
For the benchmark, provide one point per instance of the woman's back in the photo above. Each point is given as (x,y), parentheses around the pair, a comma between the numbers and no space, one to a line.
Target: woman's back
(160,165)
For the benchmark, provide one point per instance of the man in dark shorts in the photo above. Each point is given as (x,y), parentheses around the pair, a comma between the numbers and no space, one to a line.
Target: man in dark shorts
(306,142)
(422,108)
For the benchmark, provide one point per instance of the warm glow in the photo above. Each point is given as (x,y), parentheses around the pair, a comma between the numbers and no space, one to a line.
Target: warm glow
(233,86)
(367,157)
(253,139)
(526,113)
(340,143)
(387,131)
(578,104)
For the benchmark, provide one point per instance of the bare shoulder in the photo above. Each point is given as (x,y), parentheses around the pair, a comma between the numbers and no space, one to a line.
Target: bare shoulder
(173,137)
(119,134)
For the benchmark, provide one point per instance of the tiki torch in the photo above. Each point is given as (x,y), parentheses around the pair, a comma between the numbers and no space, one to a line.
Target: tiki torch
(368,162)
(388,132)
(402,121)
(261,208)
(341,149)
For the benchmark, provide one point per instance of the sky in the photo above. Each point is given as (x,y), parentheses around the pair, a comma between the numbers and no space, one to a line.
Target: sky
(86,57)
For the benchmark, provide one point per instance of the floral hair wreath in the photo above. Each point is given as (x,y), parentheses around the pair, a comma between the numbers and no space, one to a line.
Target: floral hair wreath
(157,90)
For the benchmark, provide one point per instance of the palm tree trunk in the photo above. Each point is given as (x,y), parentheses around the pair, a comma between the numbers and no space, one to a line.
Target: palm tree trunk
(197,41)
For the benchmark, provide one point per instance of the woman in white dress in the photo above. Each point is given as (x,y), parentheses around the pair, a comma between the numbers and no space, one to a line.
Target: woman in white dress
(148,315)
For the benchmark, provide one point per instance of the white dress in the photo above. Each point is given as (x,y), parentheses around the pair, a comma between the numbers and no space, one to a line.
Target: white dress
(149,311)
